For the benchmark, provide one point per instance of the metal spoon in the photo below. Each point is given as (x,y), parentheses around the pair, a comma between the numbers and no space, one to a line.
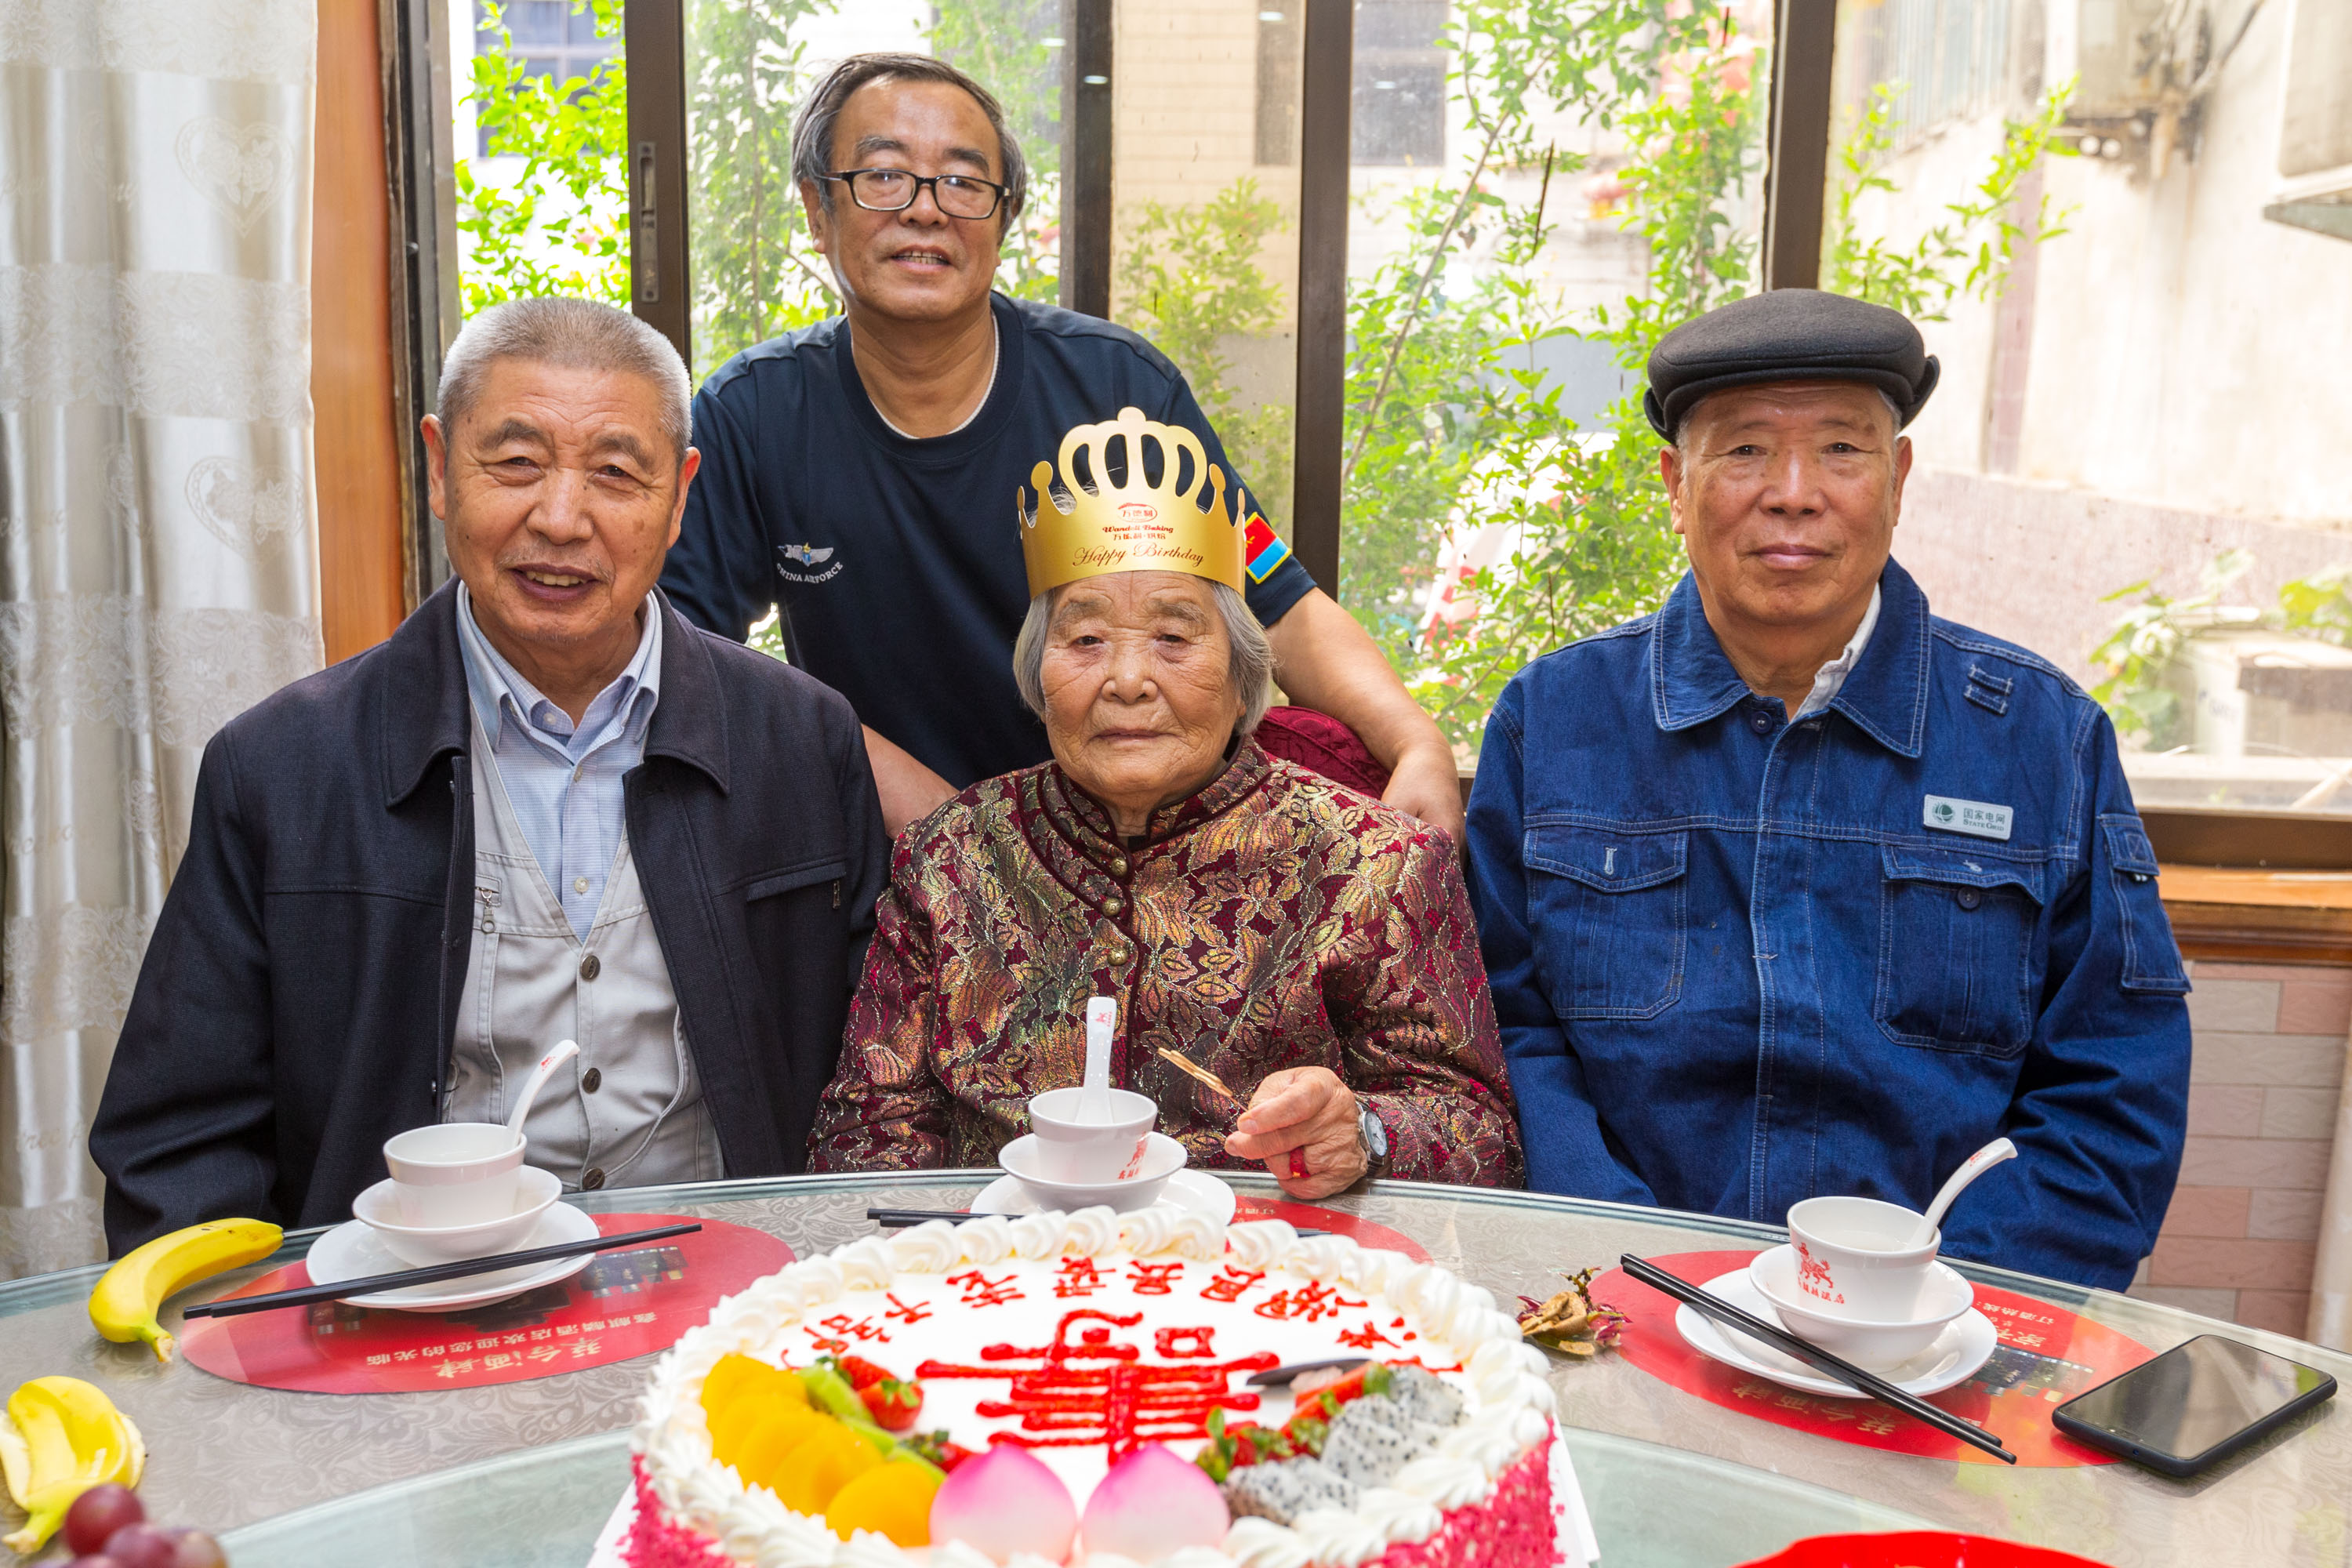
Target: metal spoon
(1977,1164)
(564,1052)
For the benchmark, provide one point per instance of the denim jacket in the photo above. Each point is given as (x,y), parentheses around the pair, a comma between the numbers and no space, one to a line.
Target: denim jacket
(1739,962)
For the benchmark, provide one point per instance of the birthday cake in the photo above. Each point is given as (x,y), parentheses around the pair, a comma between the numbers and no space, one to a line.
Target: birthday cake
(1075,1388)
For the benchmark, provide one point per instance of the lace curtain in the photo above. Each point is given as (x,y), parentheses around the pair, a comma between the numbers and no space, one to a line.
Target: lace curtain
(158,570)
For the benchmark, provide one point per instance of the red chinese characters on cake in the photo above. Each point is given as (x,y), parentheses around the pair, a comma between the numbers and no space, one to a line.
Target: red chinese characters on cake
(1089,1385)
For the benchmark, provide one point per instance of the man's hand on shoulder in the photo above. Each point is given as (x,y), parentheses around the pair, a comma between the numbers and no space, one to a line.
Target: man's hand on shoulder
(1425,784)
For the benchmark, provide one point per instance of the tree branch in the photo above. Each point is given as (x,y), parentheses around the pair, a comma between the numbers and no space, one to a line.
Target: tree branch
(1413,311)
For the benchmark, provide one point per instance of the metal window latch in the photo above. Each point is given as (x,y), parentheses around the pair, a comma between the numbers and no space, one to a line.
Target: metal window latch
(647,226)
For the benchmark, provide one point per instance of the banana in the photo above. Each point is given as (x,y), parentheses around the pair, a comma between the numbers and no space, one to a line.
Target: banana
(124,1304)
(62,1438)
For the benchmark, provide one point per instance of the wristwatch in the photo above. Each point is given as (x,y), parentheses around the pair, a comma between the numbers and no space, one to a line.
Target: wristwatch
(1372,1138)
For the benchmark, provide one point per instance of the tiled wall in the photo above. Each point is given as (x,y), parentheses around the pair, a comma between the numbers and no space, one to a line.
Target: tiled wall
(2263,1087)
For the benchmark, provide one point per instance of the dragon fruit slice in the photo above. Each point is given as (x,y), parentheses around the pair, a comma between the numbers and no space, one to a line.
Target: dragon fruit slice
(1426,1396)
(1284,1491)
(1153,1503)
(1373,1438)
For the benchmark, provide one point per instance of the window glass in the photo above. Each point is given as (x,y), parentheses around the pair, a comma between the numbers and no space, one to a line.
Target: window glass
(541,105)
(2113,224)
(1542,187)
(1205,247)
(1399,108)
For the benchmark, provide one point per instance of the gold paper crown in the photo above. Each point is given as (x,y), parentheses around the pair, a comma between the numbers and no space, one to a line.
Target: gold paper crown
(1132,527)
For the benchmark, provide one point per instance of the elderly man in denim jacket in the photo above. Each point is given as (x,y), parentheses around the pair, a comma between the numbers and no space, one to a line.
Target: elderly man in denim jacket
(1793,888)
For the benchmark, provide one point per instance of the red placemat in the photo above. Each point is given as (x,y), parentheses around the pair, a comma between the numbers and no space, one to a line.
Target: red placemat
(2046,1356)
(1307,1216)
(624,1303)
(1918,1549)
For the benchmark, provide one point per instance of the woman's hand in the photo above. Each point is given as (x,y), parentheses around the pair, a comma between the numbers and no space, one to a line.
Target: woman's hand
(1302,1123)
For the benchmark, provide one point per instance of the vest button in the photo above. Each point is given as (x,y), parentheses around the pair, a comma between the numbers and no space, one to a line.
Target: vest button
(1118,865)
(592,1081)
(1117,954)
(1112,906)
(593,1180)
(590,967)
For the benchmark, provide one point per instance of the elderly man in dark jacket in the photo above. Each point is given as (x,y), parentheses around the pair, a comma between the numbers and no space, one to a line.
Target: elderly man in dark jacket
(546,808)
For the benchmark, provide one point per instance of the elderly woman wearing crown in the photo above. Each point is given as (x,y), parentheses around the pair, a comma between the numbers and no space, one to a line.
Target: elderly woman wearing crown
(1305,944)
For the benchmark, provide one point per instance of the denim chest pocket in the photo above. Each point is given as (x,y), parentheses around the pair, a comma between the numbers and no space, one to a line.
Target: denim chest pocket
(1956,950)
(1611,909)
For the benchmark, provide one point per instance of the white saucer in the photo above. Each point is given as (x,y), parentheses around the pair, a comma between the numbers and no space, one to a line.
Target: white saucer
(353,1251)
(1954,1357)
(1193,1192)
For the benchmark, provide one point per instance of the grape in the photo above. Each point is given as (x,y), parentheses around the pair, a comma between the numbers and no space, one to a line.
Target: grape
(142,1546)
(197,1550)
(98,1513)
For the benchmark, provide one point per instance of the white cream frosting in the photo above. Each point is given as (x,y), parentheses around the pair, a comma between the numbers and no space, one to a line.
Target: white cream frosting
(1508,1402)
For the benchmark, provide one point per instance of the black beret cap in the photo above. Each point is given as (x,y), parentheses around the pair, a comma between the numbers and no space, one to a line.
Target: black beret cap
(1787,334)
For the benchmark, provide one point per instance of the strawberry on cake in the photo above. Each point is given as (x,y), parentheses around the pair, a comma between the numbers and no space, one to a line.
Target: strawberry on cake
(1075,1388)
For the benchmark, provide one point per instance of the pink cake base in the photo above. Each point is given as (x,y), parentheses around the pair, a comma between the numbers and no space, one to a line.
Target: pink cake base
(655,1541)
(1512,1529)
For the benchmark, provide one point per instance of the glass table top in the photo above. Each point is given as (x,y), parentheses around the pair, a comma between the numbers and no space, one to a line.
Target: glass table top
(527,1472)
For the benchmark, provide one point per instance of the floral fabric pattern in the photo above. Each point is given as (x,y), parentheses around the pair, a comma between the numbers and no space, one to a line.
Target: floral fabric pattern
(1275,919)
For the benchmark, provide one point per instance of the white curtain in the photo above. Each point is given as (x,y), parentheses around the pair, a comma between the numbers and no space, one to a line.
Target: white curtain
(158,568)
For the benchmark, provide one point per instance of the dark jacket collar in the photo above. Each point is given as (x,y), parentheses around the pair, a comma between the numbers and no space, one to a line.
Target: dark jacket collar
(1692,680)
(423,660)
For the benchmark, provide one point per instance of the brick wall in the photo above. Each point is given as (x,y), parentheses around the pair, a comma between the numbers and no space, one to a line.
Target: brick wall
(2267,1069)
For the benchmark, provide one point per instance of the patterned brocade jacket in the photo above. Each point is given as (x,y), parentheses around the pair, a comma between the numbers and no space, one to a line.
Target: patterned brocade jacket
(1275,919)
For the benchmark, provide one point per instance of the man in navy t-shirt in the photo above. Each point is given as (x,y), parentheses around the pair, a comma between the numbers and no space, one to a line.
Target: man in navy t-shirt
(870,491)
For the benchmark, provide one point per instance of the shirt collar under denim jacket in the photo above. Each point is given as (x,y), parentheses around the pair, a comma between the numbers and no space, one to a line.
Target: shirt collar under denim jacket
(1738,961)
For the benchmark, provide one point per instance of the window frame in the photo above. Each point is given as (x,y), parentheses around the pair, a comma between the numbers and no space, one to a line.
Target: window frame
(418,134)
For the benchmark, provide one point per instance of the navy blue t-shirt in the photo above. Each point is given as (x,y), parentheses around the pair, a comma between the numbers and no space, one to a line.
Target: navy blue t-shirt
(897,561)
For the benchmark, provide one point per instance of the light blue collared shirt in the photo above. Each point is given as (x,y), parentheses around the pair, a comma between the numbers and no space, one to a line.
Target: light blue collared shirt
(565,780)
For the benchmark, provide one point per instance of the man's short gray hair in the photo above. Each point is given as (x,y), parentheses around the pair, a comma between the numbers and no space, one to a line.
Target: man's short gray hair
(1249,665)
(821,110)
(578,334)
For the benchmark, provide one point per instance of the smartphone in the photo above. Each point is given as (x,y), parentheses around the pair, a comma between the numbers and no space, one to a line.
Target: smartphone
(2193,1404)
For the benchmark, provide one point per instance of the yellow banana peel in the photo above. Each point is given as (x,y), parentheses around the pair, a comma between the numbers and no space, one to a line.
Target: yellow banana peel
(124,1305)
(62,1438)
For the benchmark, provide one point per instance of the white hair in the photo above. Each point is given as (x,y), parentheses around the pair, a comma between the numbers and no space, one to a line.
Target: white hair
(579,334)
(1249,663)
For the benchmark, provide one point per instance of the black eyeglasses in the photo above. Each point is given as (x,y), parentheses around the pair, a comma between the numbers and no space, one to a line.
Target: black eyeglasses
(894,191)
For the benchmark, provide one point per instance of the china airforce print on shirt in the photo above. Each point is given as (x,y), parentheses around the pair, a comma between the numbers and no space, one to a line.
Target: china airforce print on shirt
(808,557)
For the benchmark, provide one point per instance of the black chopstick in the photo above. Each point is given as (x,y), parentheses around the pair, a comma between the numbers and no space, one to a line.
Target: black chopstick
(1812,1355)
(889,1217)
(237,1306)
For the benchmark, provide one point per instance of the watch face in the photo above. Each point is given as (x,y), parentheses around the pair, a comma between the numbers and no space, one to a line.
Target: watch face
(1376,1134)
